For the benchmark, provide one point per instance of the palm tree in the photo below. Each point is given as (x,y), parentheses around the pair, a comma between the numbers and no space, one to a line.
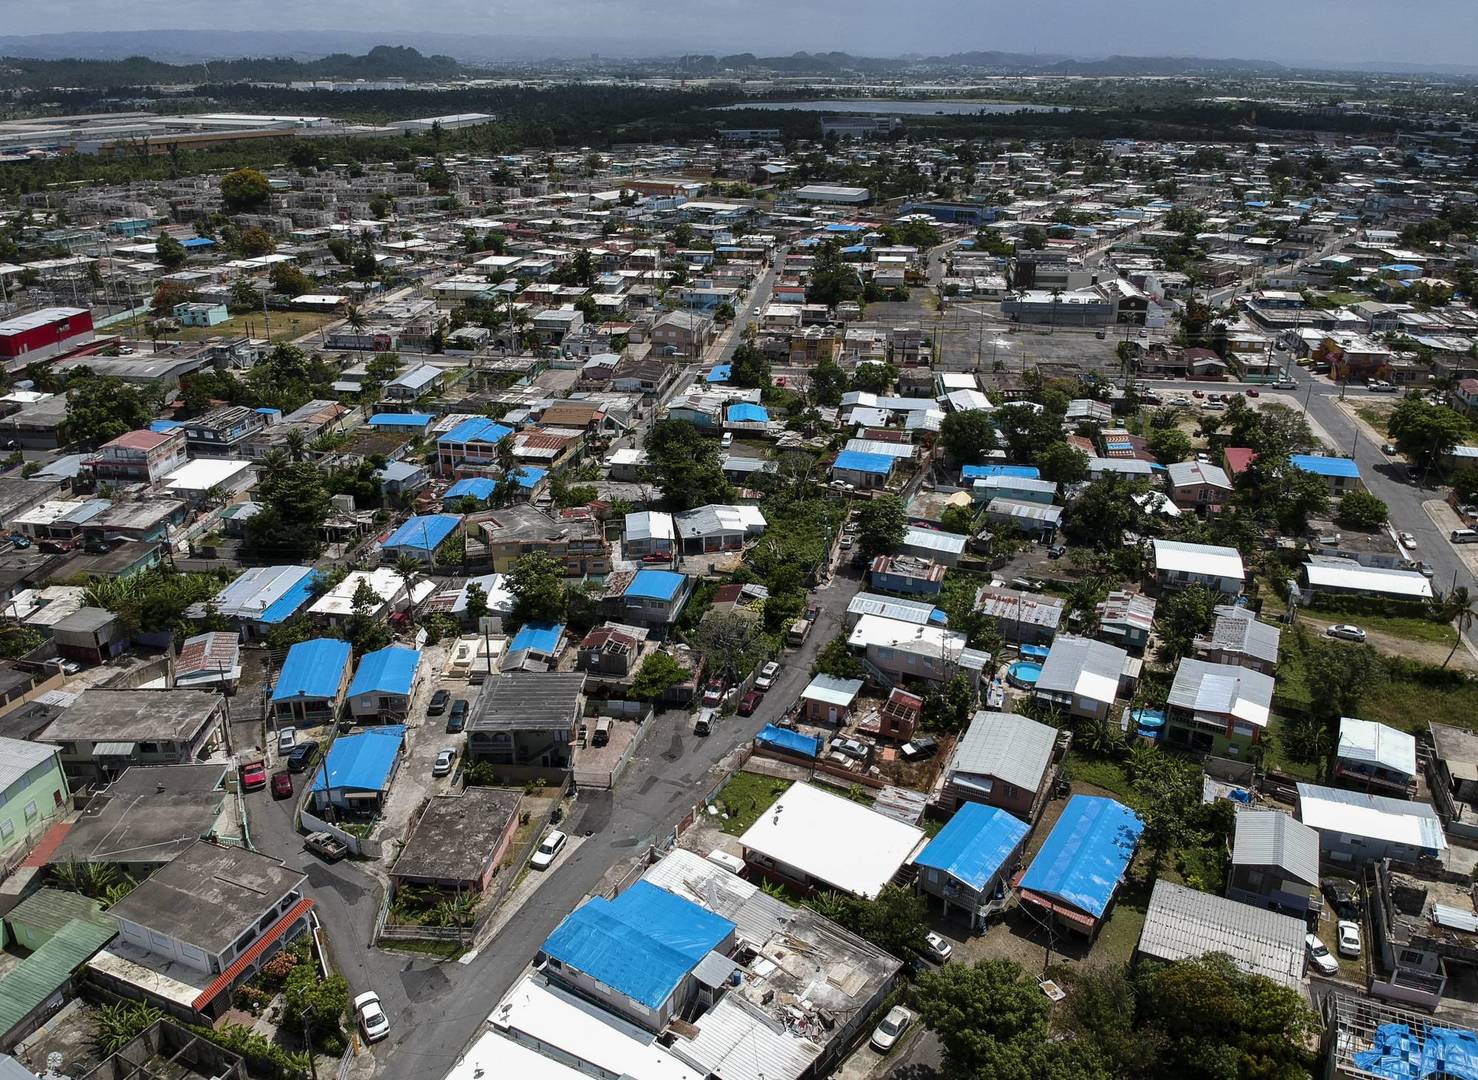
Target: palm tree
(409,568)
(354,318)
(1457,607)
(295,443)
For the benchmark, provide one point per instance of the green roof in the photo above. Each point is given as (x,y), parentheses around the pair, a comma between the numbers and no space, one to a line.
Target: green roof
(48,910)
(47,969)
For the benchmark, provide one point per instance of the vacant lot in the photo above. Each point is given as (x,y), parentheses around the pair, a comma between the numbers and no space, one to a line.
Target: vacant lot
(744,798)
(286,326)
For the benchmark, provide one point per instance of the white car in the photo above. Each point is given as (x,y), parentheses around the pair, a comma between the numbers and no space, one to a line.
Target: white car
(1348,933)
(1347,631)
(372,1019)
(1407,540)
(767,676)
(936,948)
(444,759)
(553,844)
(287,738)
(1319,956)
(756,312)
(891,1029)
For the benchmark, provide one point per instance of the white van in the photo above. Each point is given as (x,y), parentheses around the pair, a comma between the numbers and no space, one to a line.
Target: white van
(1463,536)
(732,863)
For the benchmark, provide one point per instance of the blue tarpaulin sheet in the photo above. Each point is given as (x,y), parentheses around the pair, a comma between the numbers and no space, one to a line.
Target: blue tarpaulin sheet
(1086,854)
(391,670)
(975,844)
(790,741)
(362,761)
(313,669)
(1402,1054)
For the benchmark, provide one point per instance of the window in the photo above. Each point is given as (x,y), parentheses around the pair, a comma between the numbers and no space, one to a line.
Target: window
(31,811)
(7,830)
(1413,957)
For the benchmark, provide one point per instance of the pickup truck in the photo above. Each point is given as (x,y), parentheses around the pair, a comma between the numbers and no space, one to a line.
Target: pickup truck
(253,775)
(326,846)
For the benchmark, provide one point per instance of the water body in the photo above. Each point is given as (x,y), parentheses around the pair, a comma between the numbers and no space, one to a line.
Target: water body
(892,106)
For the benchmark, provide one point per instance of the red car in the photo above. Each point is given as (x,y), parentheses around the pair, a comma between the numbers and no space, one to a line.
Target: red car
(657,556)
(749,702)
(282,785)
(1197,393)
(253,775)
(1254,393)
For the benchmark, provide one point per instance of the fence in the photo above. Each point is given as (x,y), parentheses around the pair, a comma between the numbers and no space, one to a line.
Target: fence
(366,846)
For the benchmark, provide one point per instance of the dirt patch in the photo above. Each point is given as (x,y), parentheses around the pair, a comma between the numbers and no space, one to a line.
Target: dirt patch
(1428,652)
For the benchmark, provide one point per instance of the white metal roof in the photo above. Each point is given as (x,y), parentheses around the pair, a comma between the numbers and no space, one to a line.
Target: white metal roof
(834,840)
(1333,573)
(650,525)
(892,607)
(830,690)
(1203,559)
(1375,744)
(1395,821)
(933,540)
(202,474)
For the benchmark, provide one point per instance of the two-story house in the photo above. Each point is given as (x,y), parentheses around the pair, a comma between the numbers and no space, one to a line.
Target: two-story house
(1217,708)
(33,793)
(223,432)
(1275,862)
(1179,565)
(106,731)
(141,457)
(524,725)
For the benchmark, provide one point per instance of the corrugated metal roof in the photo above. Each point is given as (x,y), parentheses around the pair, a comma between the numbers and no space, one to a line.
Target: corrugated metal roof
(891,607)
(48,910)
(47,969)
(1184,923)
(1015,749)
(1357,813)
(1375,744)
(737,1041)
(1271,838)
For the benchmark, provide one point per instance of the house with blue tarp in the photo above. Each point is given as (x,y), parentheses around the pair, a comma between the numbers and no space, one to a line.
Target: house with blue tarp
(356,773)
(654,598)
(746,415)
(311,685)
(536,643)
(1081,864)
(421,537)
(969,862)
(789,741)
(479,488)
(1340,474)
(971,473)
(720,373)
(407,423)
(643,955)
(471,445)
(862,469)
(383,684)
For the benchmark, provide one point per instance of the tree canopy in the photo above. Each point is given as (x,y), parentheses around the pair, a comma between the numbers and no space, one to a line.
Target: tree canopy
(538,587)
(686,465)
(293,504)
(101,408)
(245,189)
(968,435)
(1425,432)
(881,526)
(1361,510)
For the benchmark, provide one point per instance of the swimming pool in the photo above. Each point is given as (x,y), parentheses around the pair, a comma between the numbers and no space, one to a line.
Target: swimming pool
(1149,723)
(1024,674)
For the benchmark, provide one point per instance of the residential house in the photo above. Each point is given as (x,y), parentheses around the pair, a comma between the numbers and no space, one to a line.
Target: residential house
(1239,638)
(1039,521)
(1075,876)
(1275,862)
(141,457)
(104,731)
(900,650)
(969,863)
(649,532)
(1356,827)
(1454,766)
(906,574)
(1339,474)
(1126,617)
(1219,709)
(90,635)
(223,432)
(652,598)
(261,598)
(460,841)
(1198,486)
(1343,577)
(1374,757)
(942,547)
(384,684)
(1002,760)
(1026,618)
(718,527)
(1178,565)
(471,448)
(353,778)
(510,533)
(612,650)
(33,794)
(524,725)
(1187,924)
(424,537)
(389,595)
(862,470)
(1083,677)
(828,699)
(681,333)
(310,687)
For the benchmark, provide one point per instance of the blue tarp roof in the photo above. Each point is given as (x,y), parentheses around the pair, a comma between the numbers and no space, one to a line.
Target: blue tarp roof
(974,845)
(862,461)
(197,242)
(720,373)
(529,476)
(391,670)
(424,532)
(793,741)
(1402,1054)
(1325,466)
(843,227)
(980,472)
(477,429)
(542,638)
(401,419)
(164,427)
(362,761)
(746,413)
(1086,854)
(654,585)
(641,944)
(477,487)
(313,669)
(286,605)
(855,249)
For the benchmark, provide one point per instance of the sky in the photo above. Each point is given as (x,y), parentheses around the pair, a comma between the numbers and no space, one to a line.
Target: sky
(1317,32)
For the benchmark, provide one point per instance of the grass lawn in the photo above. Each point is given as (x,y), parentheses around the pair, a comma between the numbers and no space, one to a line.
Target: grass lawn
(286,325)
(1375,417)
(1100,772)
(1275,754)
(1410,704)
(745,798)
(1402,626)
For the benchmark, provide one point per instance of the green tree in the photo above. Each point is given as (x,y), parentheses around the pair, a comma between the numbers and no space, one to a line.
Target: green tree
(101,408)
(1361,510)
(750,367)
(308,996)
(896,920)
(731,645)
(1181,616)
(1169,445)
(981,1012)
(968,436)
(1425,432)
(1062,464)
(1338,676)
(836,660)
(1027,430)
(874,377)
(169,252)
(1168,795)
(658,673)
(831,280)
(881,526)
(1104,513)
(294,504)
(1456,607)
(245,189)
(537,584)
(829,383)
(477,602)
(686,465)
(289,280)
(948,705)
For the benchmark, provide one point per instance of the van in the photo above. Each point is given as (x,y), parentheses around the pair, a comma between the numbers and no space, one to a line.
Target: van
(1464,536)
(602,734)
(798,632)
(727,440)
(704,723)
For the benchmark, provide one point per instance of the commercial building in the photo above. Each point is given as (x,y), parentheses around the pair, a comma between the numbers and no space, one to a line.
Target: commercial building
(38,335)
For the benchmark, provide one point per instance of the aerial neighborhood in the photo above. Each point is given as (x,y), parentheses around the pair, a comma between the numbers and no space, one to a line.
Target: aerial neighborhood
(808,593)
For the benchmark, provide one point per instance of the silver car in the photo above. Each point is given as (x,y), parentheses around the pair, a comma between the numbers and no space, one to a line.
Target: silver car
(1347,631)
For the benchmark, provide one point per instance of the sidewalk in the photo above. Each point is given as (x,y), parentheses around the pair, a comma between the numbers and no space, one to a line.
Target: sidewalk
(515,900)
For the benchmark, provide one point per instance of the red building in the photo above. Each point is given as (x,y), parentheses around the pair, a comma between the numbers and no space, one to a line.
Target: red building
(39,334)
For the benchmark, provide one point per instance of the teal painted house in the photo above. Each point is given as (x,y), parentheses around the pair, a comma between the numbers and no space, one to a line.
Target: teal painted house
(33,794)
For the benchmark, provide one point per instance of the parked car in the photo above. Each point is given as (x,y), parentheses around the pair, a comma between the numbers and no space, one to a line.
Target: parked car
(1407,540)
(554,843)
(70,667)
(936,948)
(1285,384)
(1343,896)
(1348,631)
(1319,956)
(287,738)
(282,785)
(1425,569)
(457,721)
(445,757)
(851,747)
(326,846)
(767,675)
(302,756)
(657,556)
(1348,932)
(1056,551)
(891,1029)
(920,746)
(713,693)
(1100,334)
(19,540)
(1197,393)
(846,544)
(1388,448)
(372,1019)
(704,721)
(439,701)
(253,775)
(57,547)
(1253,392)
(749,702)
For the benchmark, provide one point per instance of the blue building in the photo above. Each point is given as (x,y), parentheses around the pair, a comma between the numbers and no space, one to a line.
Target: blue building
(408,423)
(472,445)
(863,470)
(383,684)
(971,473)
(311,685)
(421,537)
(1339,474)
(357,771)
(1082,862)
(479,488)
(970,860)
(643,955)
